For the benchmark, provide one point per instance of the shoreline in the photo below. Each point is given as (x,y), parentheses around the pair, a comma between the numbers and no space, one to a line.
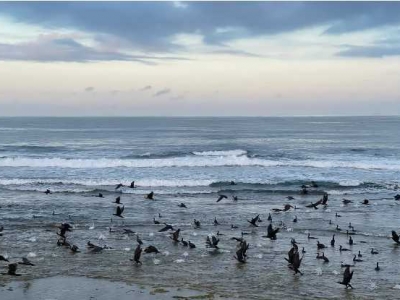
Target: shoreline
(82,287)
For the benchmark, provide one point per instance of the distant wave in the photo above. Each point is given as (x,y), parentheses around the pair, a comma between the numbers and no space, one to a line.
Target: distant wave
(237,152)
(194,161)
(31,148)
(150,182)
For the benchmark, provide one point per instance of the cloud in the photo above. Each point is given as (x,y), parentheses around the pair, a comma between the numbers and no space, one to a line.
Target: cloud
(89,89)
(377,51)
(162,92)
(151,26)
(146,88)
(178,97)
(60,48)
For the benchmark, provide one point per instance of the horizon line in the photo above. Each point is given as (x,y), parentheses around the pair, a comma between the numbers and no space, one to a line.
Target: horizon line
(199,116)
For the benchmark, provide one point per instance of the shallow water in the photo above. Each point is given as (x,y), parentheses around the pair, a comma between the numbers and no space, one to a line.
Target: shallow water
(192,160)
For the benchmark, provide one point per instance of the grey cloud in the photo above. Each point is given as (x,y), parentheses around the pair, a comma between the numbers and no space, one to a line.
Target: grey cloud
(50,48)
(149,26)
(377,51)
(146,88)
(162,92)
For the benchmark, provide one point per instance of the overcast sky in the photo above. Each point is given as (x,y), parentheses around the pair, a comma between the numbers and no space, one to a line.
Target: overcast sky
(199,58)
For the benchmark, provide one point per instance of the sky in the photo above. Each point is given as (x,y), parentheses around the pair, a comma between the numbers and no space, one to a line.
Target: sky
(199,58)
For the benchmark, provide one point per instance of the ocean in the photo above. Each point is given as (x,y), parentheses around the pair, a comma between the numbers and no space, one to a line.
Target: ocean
(194,160)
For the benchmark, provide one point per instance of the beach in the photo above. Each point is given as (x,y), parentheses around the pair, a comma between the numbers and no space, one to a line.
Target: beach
(261,161)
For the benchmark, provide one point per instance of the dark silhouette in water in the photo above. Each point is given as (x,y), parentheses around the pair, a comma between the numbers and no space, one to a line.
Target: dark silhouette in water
(333,241)
(365,202)
(320,246)
(346,201)
(377,267)
(140,242)
(196,223)
(304,190)
(26,262)
(191,245)
(314,205)
(182,205)
(221,197)
(47,192)
(132,186)
(291,254)
(285,208)
(395,237)
(325,199)
(314,184)
(151,249)
(232,183)
(241,252)
(322,257)
(12,269)
(118,200)
(212,243)
(184,243)
(74,249)
(343,249)
(254,221)
(347,275)
(100,195)
(119,186)
(216,222)
(296,263)
(167,227)
(175,236)
(397,197)
(3,258)
(351,242)
(119,211)
(310,237)
(295,219)
(357,259)
(155,221)
(64,227)
(269,218)
(290,198)
(138,253)
(373,251)
(271,233)
(150,196)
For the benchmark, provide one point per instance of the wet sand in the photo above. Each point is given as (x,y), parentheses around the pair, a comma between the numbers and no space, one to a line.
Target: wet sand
(76,288)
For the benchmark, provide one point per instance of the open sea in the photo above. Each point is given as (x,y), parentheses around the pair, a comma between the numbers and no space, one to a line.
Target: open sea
(193,160)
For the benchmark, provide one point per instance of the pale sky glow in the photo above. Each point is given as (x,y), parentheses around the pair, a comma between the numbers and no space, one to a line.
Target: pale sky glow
(147,58)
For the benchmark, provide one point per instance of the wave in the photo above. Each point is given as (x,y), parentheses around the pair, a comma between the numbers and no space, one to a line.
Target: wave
(31,148)
(237,152)
(151,182)
(100,182)
(193,161)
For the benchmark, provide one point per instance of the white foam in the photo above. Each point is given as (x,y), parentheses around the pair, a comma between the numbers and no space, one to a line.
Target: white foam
(127,249)
(397,287)
(31,254)
(350,182)
(185,254)
(193,161)
(156,261)
(318,271)
(237,152)
(102,237)
(32,239)
(180,260)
